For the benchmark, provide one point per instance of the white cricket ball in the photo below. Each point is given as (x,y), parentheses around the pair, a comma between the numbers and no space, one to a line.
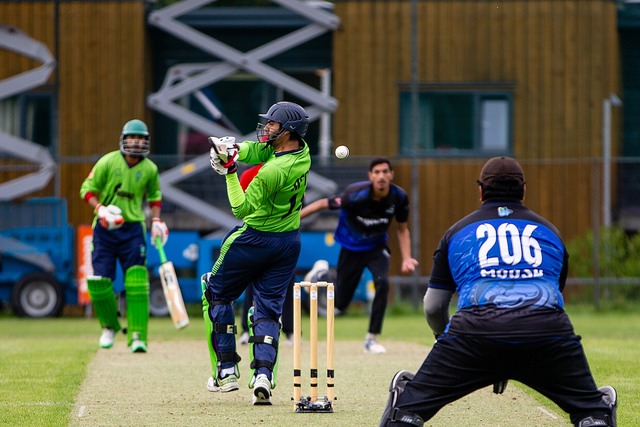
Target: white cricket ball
(342,152)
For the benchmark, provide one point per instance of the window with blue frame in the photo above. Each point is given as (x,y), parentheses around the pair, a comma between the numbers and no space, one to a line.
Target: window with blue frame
(457,122)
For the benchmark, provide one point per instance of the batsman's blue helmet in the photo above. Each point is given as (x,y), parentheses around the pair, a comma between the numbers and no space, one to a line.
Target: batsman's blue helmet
(290,115)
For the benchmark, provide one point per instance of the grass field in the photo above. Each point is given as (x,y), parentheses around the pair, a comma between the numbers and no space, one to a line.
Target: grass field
(52,373)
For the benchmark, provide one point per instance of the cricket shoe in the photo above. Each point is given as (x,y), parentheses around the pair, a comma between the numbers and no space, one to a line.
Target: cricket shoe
(224,385)
(319,266)
(372,346)
(289,340)
(393,414)
(610,396)
(138,346)
(261,390)
(107,338)
(244,338)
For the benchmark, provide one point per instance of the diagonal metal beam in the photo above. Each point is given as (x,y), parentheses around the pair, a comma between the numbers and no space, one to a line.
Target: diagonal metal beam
(13,39)
(250,61)
(186,79)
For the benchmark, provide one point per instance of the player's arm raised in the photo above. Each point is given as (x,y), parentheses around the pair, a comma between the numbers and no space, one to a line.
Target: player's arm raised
(314,207)
(333,202)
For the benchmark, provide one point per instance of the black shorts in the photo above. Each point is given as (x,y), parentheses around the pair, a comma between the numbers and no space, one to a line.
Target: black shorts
(458,365)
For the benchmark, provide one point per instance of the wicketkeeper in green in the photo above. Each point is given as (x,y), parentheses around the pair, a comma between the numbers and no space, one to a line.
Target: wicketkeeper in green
(115,189)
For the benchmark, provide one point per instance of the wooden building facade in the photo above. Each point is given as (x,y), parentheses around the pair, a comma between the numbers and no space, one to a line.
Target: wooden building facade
(550,63)
(101,80)
(556,59)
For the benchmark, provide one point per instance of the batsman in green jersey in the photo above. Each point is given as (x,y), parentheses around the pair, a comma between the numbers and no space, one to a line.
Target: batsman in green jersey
(115,189)
(263,251)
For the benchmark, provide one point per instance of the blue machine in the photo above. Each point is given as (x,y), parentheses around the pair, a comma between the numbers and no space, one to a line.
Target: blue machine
(193,256)
(321,245)
(36,257)
(37,260)
(183,249)
(315,245)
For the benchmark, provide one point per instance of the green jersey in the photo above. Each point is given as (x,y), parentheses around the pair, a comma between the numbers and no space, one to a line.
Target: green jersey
(114,182)
(273,199)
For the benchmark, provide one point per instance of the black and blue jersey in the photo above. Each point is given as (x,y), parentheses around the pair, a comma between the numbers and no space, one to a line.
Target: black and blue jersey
(363,221)
(509,267)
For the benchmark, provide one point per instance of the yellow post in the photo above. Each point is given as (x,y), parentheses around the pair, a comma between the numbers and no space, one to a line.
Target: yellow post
(313,342)
(297,336)
(330,339)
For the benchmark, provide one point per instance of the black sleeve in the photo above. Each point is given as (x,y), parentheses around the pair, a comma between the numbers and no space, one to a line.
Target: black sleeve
(441,277)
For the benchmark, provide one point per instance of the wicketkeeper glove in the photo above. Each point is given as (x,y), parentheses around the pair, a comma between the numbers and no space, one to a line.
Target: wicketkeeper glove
(223,154)
(110,217)
(159,229)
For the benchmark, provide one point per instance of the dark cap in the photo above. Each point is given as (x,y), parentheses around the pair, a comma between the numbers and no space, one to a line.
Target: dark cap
(501,168)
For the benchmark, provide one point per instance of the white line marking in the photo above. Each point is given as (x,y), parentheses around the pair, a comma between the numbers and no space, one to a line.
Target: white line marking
(544,411)
(81,411)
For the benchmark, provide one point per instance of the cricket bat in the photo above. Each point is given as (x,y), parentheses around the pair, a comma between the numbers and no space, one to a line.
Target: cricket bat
(171,289)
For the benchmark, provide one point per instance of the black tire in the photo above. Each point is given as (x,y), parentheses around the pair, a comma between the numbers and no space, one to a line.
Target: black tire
(157,302)
(37,295)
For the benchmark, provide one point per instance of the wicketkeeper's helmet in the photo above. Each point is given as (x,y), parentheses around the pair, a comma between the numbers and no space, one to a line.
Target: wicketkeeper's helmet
(291,117)
(138,147)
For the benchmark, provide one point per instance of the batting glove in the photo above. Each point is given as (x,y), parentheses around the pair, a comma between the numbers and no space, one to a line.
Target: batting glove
(110,217)
(223,154)
(159,229)
(219,166)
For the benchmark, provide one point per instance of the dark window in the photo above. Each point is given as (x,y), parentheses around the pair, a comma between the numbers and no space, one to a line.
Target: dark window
(28,116)
(452,122)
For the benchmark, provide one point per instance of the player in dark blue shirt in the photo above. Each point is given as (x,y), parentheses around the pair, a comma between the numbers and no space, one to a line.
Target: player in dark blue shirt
(366,211)
(509,268)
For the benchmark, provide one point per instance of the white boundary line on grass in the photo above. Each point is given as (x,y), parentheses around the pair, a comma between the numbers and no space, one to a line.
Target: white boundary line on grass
(544,411)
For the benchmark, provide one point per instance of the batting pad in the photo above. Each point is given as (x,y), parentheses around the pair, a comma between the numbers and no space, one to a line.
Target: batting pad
(263,339)
(221,334)
(136,283)
(208,324)
(104,301)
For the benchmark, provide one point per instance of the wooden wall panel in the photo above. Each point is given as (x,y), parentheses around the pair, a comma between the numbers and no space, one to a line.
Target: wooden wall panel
(562,56)
(103,83)
(35,19)
(101,78)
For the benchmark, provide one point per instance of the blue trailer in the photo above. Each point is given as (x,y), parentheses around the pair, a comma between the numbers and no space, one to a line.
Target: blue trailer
(193,256)
(36,257)
(37,260)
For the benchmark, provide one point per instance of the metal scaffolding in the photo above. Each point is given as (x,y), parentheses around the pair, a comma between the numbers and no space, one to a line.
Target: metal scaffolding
(189,79)
(16,41)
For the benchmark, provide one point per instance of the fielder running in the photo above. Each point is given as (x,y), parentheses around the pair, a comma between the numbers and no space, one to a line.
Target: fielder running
(509,268)
(366,211)
(115,189)
(263,251)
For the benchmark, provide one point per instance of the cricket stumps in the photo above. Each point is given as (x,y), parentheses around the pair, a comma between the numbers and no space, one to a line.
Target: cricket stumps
(311,403)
